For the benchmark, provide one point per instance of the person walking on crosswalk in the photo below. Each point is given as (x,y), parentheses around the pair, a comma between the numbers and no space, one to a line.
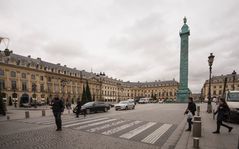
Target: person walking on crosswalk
(78,108)
(57,109)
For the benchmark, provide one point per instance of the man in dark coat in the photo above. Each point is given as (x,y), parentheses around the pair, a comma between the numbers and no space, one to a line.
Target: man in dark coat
(190,111)
(78,108)
(57,109)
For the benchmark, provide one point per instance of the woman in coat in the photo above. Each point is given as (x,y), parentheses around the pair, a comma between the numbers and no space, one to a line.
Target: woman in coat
(78,108)
(222,114)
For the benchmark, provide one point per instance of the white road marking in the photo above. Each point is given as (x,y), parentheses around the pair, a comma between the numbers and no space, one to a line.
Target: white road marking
(117,129)
(137,130)
(95,124)
(153,137)
(78,120)
(85,122)
(106,126)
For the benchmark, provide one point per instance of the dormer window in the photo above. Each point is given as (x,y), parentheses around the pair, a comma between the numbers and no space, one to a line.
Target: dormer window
(18,62)
(13,74)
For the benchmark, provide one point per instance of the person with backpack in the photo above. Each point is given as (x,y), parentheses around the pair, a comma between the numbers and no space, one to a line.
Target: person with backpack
(223,112)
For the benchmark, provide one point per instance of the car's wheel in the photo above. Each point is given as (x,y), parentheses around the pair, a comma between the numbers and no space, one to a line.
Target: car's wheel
(87,111)
(106,109)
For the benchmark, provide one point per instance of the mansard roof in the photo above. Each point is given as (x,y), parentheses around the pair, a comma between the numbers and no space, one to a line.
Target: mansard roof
(152,84)
(221,78)
(38,63)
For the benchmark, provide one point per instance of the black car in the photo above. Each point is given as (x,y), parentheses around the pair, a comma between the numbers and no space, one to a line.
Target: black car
(95,106)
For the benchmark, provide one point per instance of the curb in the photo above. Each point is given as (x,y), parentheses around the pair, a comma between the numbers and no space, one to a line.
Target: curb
(173,140)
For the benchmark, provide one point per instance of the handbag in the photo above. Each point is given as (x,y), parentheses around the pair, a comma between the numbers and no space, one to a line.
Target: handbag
(75,109)
(190,115)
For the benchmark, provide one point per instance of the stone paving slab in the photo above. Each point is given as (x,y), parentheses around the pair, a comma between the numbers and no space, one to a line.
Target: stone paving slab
(224,140)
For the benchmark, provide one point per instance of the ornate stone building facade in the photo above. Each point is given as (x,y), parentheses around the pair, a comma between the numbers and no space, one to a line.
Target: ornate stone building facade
(25,78)
(217,85)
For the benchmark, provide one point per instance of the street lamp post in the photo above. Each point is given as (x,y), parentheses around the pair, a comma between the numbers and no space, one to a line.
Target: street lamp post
(210,62)
(233,79)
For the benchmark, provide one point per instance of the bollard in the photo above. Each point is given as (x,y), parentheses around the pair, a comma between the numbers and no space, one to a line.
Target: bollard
(27,114)
(8,117)
(198,110)
(197,118)
(196,142)
(43,112)
(197,128)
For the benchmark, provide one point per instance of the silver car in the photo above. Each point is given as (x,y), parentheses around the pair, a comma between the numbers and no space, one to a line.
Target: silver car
(124,105)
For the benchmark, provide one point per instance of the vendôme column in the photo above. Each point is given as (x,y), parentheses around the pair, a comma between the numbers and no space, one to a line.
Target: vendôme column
(183,91)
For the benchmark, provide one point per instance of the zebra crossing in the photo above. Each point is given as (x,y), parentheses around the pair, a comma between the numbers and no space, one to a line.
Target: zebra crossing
(135,130)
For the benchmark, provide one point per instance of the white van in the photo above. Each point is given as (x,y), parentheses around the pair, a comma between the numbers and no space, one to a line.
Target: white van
(144,100)
(232,99)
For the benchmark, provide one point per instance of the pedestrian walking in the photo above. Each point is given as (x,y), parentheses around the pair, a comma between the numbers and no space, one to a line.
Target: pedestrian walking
(78,108)
(223,112)
(57,109)
(190,111)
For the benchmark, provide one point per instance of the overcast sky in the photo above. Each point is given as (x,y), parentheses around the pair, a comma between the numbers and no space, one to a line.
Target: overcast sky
(132,40)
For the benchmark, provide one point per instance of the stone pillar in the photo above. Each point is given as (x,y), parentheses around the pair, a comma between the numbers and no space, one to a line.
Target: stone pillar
(183,91)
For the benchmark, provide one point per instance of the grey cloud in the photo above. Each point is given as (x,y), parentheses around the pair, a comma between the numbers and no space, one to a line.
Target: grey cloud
(143,41)
(64,49)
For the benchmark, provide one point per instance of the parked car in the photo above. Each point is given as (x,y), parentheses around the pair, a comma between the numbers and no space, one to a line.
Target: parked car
(95,106)
(110,104)
(41,102)
(143,100)
(132,101)
(169,101)
(124,105)
(25,105)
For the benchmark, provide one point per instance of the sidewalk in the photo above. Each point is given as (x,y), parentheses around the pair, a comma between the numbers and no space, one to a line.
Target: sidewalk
(19,112)
(224,140)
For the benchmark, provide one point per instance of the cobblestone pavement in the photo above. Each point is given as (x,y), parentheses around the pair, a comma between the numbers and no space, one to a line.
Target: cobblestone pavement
(135,130)
(48,138)
(123,129)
